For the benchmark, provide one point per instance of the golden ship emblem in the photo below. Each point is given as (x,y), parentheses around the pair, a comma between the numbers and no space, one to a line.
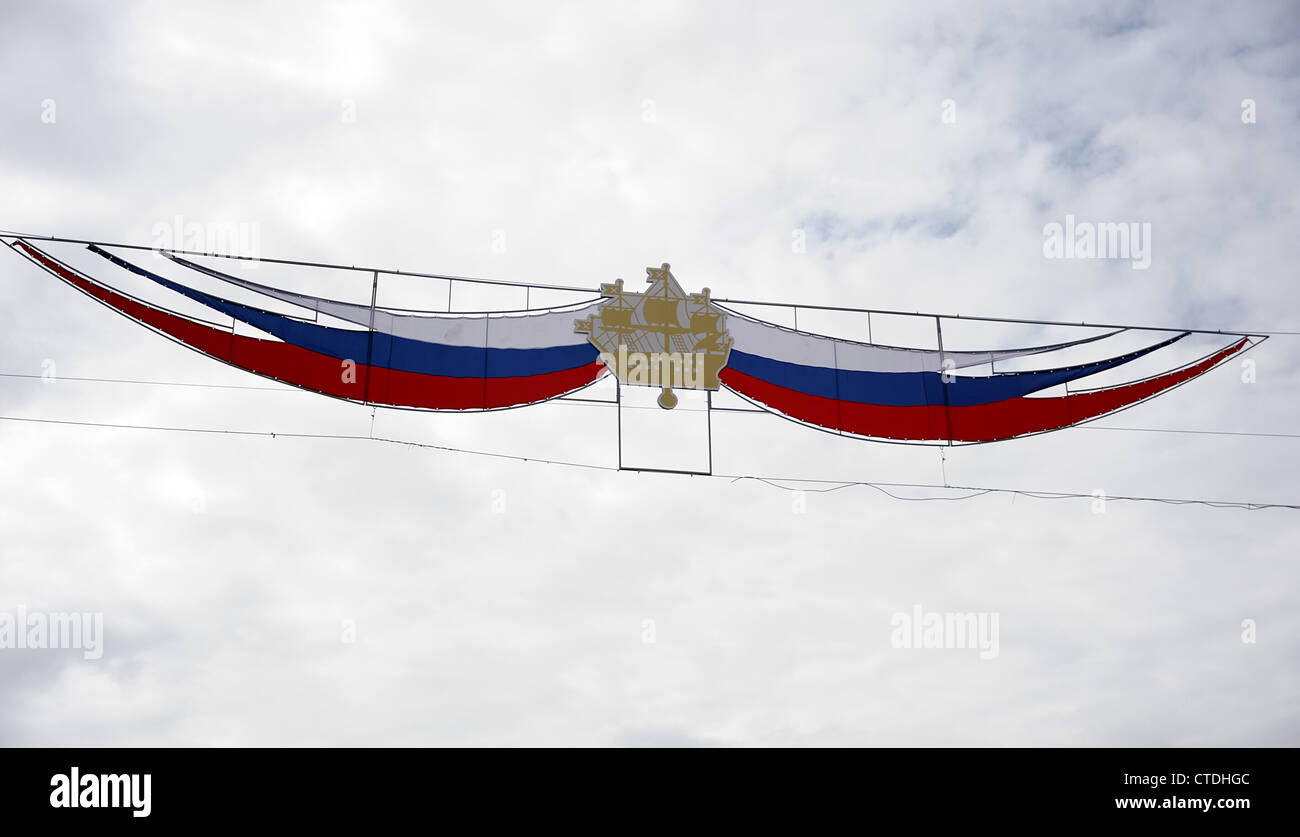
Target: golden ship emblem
(662,338)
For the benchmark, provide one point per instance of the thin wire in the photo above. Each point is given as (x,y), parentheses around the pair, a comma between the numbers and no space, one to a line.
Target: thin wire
(291,389)
(977,491)
(776,482)
(479,280)
(1196,432)
(879,486)
(1014,320)
(595,402)
(294,262)
(268,434)
(61,378)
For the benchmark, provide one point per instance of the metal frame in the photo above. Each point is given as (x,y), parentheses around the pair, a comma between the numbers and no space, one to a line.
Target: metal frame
(708,424)
(527,285)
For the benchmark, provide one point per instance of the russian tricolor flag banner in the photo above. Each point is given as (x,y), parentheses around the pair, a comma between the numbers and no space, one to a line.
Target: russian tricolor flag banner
(662,337)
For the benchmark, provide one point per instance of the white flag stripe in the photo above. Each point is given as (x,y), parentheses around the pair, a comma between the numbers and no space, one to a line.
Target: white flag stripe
(775,342)
(508,331)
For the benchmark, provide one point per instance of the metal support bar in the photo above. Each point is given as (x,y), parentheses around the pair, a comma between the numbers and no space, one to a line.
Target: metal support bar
(943,379)
(370,339)
(669,471)
(708,414)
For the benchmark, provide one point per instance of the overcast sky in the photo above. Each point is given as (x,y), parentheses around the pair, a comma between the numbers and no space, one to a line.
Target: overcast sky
(264,591)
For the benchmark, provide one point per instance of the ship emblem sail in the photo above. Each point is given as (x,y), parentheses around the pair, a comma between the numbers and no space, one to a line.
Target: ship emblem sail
(662,338)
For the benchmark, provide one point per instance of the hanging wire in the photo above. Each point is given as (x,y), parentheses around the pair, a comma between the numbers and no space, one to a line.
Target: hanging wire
(783,483)
(289,389)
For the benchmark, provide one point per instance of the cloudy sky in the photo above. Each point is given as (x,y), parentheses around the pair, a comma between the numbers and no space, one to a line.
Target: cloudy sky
(263,591)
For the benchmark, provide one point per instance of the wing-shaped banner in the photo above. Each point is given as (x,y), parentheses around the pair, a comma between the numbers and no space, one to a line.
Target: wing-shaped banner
(867,390)
(447,362)
(444,361)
